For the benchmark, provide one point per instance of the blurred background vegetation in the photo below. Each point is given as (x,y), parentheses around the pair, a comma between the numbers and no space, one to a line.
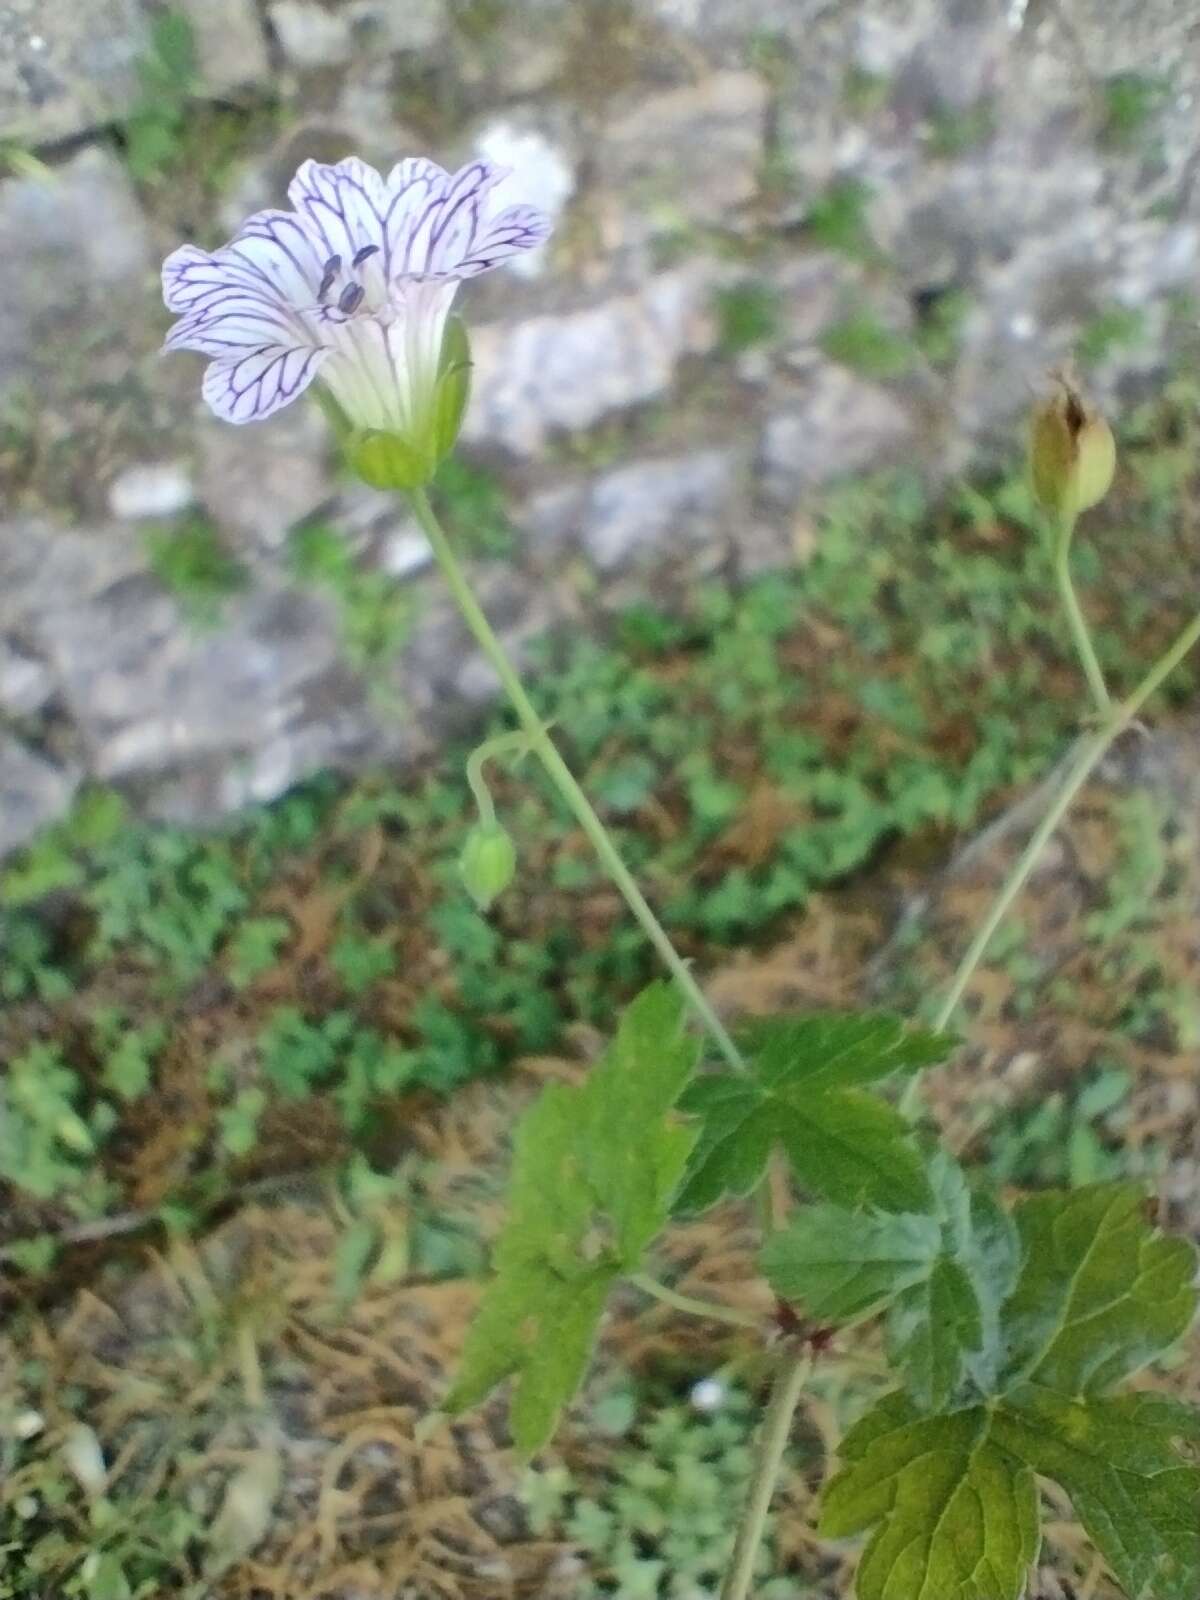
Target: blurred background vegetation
(743,485)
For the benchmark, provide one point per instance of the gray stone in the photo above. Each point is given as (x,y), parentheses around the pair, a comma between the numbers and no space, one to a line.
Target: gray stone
(67,67)
(647,512)
(382,25)
(309,35)
(35,794)
(526,52)
(45,568)
(75,260)
(258,482)
(25,682)
(313,35)
(839,423)
(150,693)
(684,157)
(151,489)
(567,371)
(231,46)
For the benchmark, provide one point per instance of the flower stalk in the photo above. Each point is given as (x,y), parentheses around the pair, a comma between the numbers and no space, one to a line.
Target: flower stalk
(561,776)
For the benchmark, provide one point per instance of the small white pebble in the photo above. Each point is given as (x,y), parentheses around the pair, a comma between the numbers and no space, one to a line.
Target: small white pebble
(708,1395)
(26,1507)
(28,1424)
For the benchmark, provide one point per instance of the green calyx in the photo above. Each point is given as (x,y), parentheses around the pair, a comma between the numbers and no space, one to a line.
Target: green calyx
(409,461)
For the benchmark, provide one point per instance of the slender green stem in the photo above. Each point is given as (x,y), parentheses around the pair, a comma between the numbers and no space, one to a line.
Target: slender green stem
(1088,754)
(772,1442)
(502,744)
(1063,534)
(562,777)
(708,1309)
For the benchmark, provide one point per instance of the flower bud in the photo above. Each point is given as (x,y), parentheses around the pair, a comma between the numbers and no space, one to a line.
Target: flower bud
(488,863)
(1072,456)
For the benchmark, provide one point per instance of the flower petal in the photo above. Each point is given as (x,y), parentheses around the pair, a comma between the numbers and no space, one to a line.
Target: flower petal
(249,387)
(440,230)
(235,320)
(519,228)
(343,206)
(276,253)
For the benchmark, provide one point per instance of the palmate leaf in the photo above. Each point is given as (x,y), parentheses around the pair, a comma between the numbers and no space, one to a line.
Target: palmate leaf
(1099,1294)
(940,1274)
(595,1167)
(804,1092)
(956,1517)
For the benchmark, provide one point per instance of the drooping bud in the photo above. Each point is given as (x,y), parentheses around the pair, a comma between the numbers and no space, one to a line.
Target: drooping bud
(488,863)
(1072,455)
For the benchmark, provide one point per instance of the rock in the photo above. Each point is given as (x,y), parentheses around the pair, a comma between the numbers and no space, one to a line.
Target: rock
(567,371)
(150,692)
(726,22)
(309,35)
(152,489)
(840,423)
(813,290)
(66,68)
(382,25)
(75,262)
(35,794)
(685,157)
(647,512)
(312,35)
(231,46)
(526,49)
(25,682)
(258,482)
(541,174)
(45,567)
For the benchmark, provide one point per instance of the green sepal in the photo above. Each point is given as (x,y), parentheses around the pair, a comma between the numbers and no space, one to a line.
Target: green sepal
(386,461)
(453,388)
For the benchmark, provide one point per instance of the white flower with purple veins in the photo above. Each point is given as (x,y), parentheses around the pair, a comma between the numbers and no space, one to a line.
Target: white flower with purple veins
(355,285)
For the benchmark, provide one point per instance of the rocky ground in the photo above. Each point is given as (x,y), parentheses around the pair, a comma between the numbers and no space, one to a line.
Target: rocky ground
(794,240)
(797,240)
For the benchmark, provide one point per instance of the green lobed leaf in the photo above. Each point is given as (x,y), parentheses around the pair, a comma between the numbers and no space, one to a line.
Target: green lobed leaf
(940,1274)
(804,1092)
(842,1265)
(1116,1458)
(955,1515)
(1101,1293)
(1098,1294)
(595,1167)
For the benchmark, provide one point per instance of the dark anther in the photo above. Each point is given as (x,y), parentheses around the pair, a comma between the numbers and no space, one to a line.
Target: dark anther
(362,255)
(351,298)
(332,267)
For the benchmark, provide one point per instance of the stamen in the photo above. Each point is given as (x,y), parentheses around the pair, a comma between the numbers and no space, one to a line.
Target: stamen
(362,255)
(332,267)
(351,298)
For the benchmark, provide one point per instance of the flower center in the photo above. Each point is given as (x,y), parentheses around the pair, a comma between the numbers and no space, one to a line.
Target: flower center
(346,282)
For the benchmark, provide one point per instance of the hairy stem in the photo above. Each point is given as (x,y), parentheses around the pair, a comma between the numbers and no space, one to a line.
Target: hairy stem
(560,774)
(709,1309)
(1063,534)
(772,1442)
